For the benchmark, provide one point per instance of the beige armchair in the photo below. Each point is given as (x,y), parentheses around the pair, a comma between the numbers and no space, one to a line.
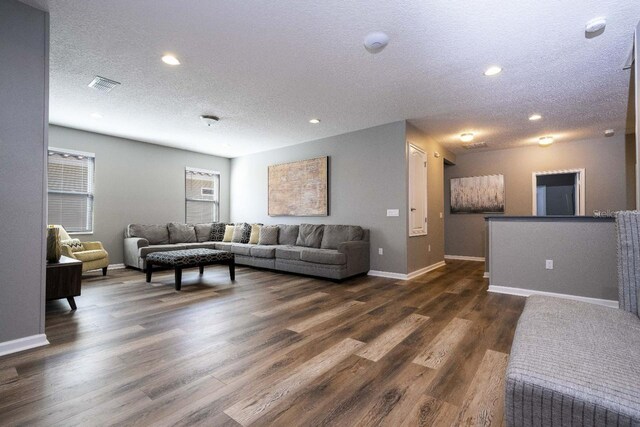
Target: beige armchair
(93,255)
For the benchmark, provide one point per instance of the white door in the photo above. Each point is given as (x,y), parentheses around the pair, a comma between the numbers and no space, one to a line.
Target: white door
(417,191)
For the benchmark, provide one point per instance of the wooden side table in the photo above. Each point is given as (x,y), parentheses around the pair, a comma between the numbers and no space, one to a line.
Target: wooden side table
(64,279)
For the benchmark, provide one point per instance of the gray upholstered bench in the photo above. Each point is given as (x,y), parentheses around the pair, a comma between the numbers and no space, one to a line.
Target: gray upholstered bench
(186,258)
(577,364)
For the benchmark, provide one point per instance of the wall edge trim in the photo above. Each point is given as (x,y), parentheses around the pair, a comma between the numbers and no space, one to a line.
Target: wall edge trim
(21,344)
(401,276)
(527,292)
(465,258)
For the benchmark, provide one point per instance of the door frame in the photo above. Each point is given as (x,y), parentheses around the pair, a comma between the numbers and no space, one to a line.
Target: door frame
(425,230)
(580,194)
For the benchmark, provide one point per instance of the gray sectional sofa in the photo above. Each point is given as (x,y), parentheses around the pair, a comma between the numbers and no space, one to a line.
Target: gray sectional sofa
(331,251)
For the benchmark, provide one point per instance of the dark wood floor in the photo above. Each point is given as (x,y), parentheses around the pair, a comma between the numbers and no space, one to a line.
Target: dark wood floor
(271,349)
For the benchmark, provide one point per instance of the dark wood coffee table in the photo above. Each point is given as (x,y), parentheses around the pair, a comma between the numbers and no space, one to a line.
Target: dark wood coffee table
(64,280)
(186,258)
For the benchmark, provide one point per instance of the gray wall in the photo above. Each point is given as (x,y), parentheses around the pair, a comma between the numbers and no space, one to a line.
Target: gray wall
(24,42)
(367,176)
(418,254)
(603,160)
(137,182)
(583,254)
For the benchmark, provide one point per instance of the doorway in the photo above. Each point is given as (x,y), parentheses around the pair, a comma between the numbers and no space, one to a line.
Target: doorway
(558,193)
(417,191)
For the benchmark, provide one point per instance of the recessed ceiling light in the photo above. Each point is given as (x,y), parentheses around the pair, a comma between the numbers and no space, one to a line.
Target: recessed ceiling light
(96,116)
(535,117)
(492,71)
(466,137)
(609,132)
(314,121)
(545,140)
(170,60)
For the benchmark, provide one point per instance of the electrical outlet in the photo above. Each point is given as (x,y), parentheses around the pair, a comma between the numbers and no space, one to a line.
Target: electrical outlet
(441,215)
(393,212)
(429,248)
(380,251)
(549,264)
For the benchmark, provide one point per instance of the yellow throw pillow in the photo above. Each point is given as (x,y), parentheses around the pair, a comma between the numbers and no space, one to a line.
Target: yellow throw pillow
(255,234)
(228,233)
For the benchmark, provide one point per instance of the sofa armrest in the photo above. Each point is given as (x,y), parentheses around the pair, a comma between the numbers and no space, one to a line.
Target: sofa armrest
(132,247)
(357,253)
(92,246)
(66,251)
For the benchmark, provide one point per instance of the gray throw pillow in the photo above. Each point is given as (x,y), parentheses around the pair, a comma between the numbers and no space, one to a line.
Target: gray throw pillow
(217,231)
(287,234)
(203,232)
(181,233)
(155,234)
(268,235)
(310,235)
(333,235)
(241,233)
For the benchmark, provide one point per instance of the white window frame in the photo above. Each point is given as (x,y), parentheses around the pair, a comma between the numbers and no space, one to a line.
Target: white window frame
(580,194)
(216,191)
(91,187)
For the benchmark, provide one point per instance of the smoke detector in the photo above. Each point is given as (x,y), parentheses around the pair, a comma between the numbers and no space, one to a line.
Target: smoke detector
(209,120)
(375,42)
(103,84)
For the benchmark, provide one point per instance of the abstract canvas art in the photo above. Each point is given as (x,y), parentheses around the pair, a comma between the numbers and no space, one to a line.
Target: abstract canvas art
(299,188)
(477,194)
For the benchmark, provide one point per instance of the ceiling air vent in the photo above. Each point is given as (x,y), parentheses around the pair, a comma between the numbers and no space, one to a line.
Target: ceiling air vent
(102,84)
(475,146)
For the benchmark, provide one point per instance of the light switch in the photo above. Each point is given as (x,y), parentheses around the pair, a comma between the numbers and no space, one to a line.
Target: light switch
(393,212)
(549,264)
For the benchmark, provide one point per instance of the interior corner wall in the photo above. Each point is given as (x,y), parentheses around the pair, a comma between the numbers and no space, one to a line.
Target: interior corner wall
(418,254)
(367,176)
(603,160)
(637,111)
(24,74)
(137,182)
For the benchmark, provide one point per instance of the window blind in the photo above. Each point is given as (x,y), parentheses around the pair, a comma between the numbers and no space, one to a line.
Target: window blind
(70,189)
(202,198)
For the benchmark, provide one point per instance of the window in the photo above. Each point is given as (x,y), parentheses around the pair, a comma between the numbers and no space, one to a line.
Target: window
(202,196)
(71,185)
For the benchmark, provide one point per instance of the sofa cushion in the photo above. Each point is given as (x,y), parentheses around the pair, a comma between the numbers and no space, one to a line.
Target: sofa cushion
(268,235)
(255,233)
(287,234)
(263,251)
(223,246)
(571,353)
(310,235)
(155,234)
(288,252)
(228,233)
(92,255)
(333,235)
(146,250)
(181,233)
(203,232)
(203,245)
(241,248)
(323,256)
(217,231)
(241,233)
(75,244)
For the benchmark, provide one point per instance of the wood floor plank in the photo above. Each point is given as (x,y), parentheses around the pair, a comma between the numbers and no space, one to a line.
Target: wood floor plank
(380,346)
(484,401)
(429,411)
(8,375)
(251,409)
(290,304)
(324,316)
(442,347)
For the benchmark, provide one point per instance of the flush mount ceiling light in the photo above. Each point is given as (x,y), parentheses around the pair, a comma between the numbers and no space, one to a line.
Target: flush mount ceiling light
(545,140)
(314,121)
(493,70)
(96,116)
(595,25)
(535,117)
(376,41)
(467,137)
(170,60)
(609,133)
(209,120)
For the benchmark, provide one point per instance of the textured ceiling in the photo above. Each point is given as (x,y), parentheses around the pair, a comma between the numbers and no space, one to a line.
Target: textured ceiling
(267,67)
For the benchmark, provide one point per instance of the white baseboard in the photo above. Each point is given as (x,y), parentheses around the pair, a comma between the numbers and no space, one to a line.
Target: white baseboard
(464,258)
(486,275)
(527,292)
(21,344)
(401,276)
(116,266)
